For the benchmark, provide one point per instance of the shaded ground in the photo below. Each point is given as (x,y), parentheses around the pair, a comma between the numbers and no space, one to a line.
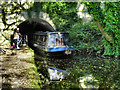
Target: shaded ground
(18,69)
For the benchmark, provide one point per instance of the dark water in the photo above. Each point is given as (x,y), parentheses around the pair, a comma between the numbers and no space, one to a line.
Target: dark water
(58,62)
(104,69)
(43,62)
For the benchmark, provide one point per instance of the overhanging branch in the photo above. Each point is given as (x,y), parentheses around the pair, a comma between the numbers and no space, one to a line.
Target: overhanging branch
(107,37)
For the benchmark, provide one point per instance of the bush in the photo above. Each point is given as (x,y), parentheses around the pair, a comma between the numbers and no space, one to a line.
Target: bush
(85,37)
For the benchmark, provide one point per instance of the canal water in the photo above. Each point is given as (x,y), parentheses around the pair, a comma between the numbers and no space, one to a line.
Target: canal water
(86,72)
(43,62)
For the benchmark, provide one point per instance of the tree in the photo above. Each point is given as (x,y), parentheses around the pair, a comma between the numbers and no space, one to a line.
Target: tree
(107,20)
(63,14)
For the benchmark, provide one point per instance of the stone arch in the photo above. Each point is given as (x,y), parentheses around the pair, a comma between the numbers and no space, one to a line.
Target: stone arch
(31,25)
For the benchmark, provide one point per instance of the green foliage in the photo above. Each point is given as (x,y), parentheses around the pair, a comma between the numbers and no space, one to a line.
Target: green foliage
(108,16)
(63,14)
(112,26)
(95,10)
(85,37)
(10,13)
(36,7)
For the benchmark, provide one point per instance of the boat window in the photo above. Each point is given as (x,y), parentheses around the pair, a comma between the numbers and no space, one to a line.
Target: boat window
(56,40)
(38,38)
(61,41)
(32,37)
(41,38)
(44,38)
(52,40)
(66,39)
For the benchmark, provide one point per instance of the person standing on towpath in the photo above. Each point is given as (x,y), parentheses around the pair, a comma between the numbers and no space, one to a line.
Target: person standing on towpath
(16,38)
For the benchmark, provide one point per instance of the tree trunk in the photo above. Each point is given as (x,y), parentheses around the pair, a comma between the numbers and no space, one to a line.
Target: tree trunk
(107,37)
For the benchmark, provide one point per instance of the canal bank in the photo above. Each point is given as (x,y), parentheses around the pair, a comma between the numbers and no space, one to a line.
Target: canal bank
(18,69)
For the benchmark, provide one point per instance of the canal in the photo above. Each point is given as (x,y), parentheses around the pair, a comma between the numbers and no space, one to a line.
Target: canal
(26,69)
(84,71)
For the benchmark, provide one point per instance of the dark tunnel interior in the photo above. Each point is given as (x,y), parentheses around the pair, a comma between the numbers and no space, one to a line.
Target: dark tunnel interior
(32,25)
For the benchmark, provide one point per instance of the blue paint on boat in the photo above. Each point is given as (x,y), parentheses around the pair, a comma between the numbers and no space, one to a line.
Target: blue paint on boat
(56,49)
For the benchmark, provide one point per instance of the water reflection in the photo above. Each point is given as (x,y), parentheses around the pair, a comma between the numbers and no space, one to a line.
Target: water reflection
(87,72)
(43,62)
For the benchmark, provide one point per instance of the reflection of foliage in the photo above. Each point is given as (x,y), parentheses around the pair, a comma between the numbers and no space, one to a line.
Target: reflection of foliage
(105,74)
(61,85)
(106,71)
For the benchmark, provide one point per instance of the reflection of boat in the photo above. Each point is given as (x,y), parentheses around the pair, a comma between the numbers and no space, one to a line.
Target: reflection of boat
(57,74)
(50,43)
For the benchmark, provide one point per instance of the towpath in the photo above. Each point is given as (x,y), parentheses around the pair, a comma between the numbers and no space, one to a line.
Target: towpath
(18,69)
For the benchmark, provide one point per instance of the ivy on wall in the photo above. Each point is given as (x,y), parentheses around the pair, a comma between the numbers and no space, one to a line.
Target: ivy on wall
(107,20)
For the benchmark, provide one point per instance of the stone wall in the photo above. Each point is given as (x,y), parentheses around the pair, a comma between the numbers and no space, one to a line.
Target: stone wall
(14,13)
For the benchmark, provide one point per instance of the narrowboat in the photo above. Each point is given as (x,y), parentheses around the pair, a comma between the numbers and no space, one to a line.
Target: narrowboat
(51,43)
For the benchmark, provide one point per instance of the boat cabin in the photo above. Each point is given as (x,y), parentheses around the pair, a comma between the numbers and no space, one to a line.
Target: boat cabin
(51,41)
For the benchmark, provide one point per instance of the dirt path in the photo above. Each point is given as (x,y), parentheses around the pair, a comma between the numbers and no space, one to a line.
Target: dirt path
(18,69)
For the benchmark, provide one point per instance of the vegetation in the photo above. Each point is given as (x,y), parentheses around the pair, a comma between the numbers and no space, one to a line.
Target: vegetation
(82,36)
(63,14)
(107,20)
(86,39)
(104,70)
(10,12)
(89,39)
(105,17)
(100,37)
(105,74)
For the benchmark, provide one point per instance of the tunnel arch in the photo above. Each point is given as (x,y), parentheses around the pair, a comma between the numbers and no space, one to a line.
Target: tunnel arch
(32,25)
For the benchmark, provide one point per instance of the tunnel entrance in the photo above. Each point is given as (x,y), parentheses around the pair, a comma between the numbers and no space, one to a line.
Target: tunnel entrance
(32,25)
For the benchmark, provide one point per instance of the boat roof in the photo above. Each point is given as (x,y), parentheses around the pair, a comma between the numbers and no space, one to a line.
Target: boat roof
(45,33)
